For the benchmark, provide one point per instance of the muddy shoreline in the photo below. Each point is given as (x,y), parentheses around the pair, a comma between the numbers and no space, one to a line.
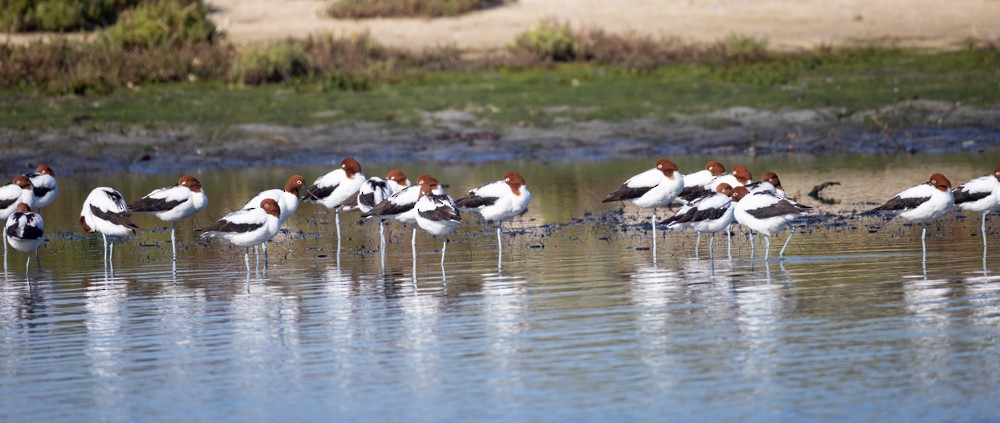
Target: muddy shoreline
(914,127)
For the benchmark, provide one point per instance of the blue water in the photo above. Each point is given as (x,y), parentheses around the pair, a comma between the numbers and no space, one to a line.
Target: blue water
(582,323)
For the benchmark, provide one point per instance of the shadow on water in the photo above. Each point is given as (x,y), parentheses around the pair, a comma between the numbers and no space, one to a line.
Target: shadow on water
(578,320)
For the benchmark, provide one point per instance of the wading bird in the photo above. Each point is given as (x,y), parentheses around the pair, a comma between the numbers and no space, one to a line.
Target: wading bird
(653,188)
(766,213)
(247,227)
(337,188)
(437,214)
(707,214)
(921,204)
(498,201)
(45,187)
(980,195)
(105,212)
(25,231)
(173,203)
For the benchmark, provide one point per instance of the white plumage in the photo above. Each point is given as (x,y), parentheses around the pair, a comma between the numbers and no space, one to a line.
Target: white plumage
(247,227)
(338,187)
(766,213)
(436,214)
(105,212)
(25,230)
(17,192)
(174,202)
(740,176)
(706,215)
(287,199)
(922,203)
(45,187)
(653,188)
(980,195)
(498,200)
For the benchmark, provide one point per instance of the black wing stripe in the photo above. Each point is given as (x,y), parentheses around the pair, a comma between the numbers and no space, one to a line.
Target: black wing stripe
(318,193)
(626,193)
(6,203)
(387,208)
(368,200)
(781,208)
(41,191)
(969,197)
(472,201)
(227,226)
(149,204)
(121,219)
(897,203)
(441,214)
(693,193)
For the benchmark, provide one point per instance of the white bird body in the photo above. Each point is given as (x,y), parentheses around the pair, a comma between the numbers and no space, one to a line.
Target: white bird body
(247,227)
(498,200)
(287,199)
(400,206)
(174,202)
(337,188)
(105,212)
(922,203)
(980,195)
(706,215)
(653,188)
(25,230)
(767,213)
(45,187)
(376,190)
(17,192)
(437,214)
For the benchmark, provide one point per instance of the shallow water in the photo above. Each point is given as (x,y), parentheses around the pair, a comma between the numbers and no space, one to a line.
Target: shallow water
(582,323)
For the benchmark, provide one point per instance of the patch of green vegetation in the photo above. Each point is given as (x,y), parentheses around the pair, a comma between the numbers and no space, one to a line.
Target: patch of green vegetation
(162,23)
(549,40)
(859,80)
(364,9)
(59,15)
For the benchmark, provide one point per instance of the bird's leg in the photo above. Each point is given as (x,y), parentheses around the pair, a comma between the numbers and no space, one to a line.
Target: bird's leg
(767,252)
(5,251)
(381,234)
(27,264)
(697,245)
(443,250)
(923,245)
(499,249)
(984,231)
(105,238)
(751,243)
(781,255)
(173,239)
(336,218)
(729,240)
(246,259)
(711,245)
(654,231)
(263,246)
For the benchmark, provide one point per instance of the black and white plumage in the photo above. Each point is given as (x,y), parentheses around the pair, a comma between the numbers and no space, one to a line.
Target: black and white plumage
(921,204)
(25,231)
(173,203)
(980,195)
(653,188)
(707,214)
(376,190)
(740,176)
(766,213)
(498,201)
(768,182)
(106,212)
(45,187)
(337,189)
(18,191)
(401,206)
(247,227)
(696,184)
(287,198)
(437,214)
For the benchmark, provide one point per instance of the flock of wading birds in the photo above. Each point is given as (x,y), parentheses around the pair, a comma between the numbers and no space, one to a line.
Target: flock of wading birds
(712,200)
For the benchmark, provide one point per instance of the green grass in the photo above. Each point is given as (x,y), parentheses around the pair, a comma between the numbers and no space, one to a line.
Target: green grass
(364,9)
(859,81)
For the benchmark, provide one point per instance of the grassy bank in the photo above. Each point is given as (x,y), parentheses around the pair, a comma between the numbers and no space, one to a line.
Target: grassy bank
(855,80)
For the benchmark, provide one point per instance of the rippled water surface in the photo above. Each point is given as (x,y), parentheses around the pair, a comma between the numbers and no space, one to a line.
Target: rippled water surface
(583,322)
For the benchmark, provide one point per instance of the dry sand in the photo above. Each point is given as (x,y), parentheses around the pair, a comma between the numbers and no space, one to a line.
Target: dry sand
(785,23)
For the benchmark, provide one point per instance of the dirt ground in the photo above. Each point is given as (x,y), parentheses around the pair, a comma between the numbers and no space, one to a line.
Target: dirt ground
(787,24)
